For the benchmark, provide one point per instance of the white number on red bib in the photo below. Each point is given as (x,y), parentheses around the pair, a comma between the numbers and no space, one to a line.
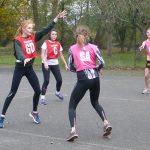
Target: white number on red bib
(30,48)
(55,50)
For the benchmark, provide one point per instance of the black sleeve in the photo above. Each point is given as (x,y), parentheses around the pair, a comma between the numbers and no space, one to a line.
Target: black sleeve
(100,59)
(18,53)
(44,31)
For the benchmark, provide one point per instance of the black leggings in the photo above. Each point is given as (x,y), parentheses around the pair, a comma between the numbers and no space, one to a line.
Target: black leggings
(93,85)
(46,73)
(19,72)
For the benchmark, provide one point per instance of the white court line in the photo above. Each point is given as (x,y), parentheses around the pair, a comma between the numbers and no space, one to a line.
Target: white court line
(63,140)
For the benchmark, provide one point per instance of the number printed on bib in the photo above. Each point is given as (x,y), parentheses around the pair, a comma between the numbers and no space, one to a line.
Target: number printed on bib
(85,56)
(30,48)
(55,50)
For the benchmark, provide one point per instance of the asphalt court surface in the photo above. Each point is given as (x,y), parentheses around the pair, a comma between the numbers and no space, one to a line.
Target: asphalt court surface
(126,108)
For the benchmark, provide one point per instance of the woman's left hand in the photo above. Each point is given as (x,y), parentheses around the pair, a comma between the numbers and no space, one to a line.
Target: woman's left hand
(66,67)
(101,72)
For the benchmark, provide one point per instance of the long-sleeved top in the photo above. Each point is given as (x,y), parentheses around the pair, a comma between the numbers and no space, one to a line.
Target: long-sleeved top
(18,51)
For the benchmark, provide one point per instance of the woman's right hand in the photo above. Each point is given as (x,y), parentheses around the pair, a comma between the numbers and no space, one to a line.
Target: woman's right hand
(27,60)
(141,47)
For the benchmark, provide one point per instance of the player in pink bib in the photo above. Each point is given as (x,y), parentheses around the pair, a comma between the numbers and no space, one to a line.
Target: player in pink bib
(146,45)
(82,60)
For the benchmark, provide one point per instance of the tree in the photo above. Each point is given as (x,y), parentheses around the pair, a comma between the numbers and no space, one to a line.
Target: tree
(34,6)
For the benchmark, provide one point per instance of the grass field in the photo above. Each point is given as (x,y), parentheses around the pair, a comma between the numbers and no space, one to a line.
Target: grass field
(118,60)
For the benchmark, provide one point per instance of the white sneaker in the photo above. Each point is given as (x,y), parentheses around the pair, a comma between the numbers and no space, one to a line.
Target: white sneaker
(72,136)
(145,91)
(43,102)
(59,95)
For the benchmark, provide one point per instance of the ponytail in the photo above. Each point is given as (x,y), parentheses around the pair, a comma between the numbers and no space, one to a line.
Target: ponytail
(82,35)
(81,40)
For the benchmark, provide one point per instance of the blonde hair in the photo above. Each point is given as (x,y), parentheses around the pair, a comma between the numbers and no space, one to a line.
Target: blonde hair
(82,34)
(23,24)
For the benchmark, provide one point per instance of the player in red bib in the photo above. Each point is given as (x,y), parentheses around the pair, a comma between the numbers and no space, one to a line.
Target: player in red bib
(50,51)
(25,53)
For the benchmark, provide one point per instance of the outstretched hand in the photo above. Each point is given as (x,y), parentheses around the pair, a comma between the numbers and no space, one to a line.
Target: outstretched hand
(60,15)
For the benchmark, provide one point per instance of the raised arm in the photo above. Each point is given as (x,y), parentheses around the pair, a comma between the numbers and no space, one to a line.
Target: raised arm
(50,26)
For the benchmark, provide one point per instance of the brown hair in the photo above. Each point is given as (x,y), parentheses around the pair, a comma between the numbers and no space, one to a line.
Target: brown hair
(82,34)
(22,25)
(49,34)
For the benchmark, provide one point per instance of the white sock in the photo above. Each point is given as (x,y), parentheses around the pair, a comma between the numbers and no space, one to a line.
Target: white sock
(35,112)
(73,129)
(3,116)
(106,122)
(57,92)
(42,96)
